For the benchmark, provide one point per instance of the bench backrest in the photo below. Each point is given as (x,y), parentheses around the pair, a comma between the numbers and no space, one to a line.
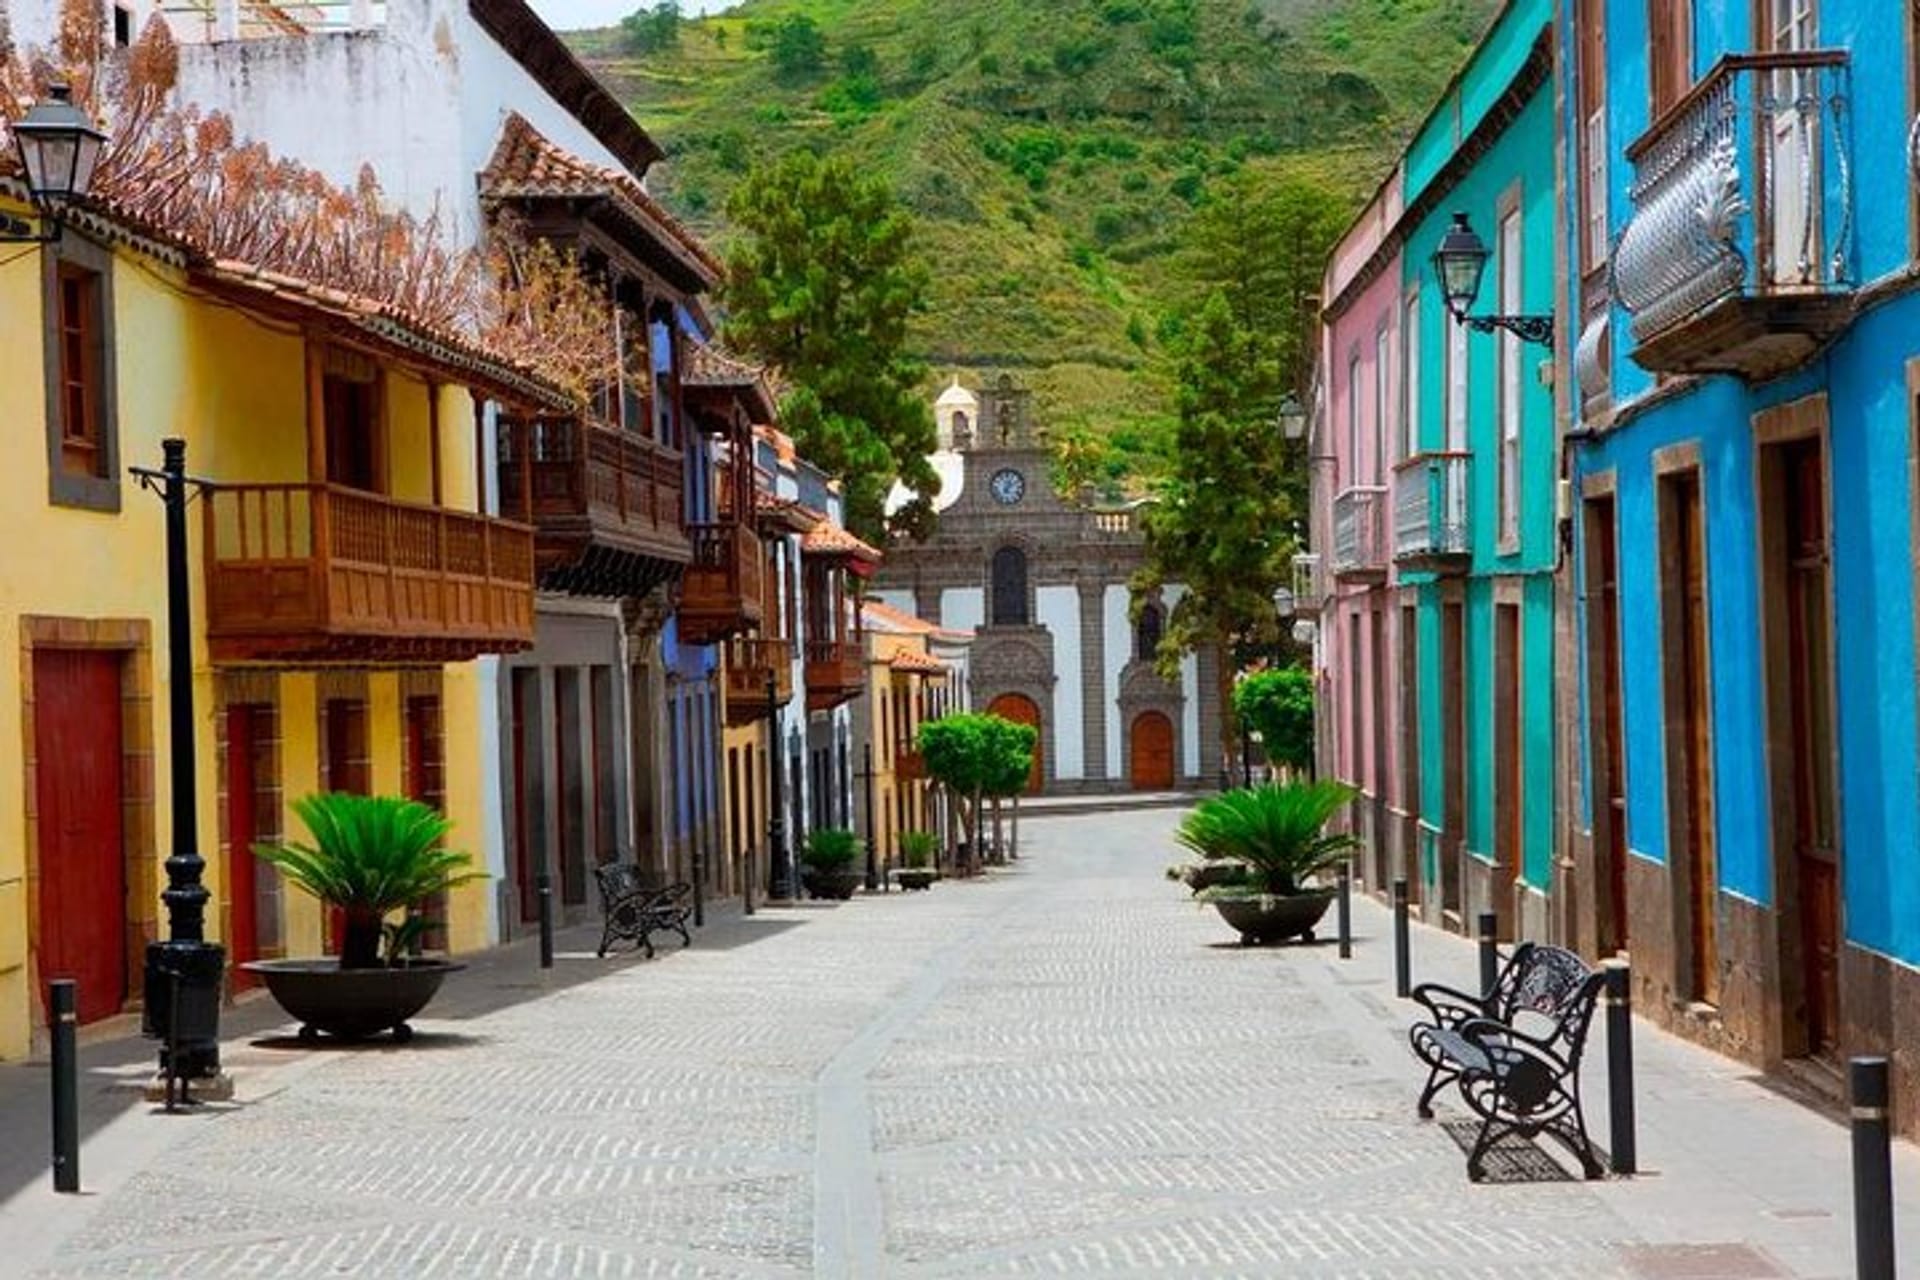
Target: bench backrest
(1554,985)
(618,881)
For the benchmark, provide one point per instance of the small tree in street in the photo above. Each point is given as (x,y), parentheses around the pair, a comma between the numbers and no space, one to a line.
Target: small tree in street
(1278,705)
(977,757)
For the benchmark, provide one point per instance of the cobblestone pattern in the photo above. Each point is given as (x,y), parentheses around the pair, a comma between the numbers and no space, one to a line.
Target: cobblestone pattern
(1063,1069)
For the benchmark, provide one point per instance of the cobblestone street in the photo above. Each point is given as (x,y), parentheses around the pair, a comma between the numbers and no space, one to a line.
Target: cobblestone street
(1061,1068)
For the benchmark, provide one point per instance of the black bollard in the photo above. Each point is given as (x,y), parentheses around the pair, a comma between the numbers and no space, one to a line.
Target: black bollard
(1619,996)
(1489,953)
(1872,1170)
(1402,954)
(1345,905)
(64,1001)
(544,889)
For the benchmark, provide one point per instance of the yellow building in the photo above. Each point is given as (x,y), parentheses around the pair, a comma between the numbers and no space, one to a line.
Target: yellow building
(907,684)
(340,579)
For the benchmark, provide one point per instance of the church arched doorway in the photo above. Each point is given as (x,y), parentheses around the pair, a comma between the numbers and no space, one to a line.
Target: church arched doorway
(1020,709)
(1152,740)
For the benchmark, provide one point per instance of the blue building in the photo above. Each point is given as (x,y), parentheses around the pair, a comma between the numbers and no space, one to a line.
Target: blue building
(1741,292)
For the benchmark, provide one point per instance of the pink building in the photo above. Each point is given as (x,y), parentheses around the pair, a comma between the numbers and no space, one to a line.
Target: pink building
(1357,421)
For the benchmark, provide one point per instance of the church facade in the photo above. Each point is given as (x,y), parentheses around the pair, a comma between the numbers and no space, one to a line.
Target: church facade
(1042,582)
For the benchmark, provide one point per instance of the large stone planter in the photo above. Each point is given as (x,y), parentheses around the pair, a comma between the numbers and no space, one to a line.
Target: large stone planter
(351,1004)
(832,884)
(1264,920)
(913,878)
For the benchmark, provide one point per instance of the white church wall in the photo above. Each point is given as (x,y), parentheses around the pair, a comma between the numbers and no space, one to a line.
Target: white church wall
(963,608)
(1059,612)
(1119,647)
(901,600)
(1189,690)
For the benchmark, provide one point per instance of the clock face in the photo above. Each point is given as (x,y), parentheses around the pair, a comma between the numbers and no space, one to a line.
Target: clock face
(1007,486)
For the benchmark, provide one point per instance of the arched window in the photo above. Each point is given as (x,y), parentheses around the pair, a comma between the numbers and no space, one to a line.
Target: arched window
(1147,633)
(1009,588)
(962,430)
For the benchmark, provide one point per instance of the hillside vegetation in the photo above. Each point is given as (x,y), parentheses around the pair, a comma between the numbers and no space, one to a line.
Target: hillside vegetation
(1054,150)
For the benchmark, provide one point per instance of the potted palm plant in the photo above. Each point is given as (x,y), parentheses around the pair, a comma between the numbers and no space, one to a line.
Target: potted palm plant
(917,848)
(372,858)
(829,858)
(1278,832)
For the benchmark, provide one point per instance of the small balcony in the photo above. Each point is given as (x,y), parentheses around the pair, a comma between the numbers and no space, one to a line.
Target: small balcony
(1307,590)
(751,662)
(1739,256)
(836,672)
(320,574)
(1359,540)
(721,593)
(606,504)
(909,765)
(1430,533)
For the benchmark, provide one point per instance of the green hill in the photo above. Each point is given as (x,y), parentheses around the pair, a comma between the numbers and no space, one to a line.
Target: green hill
(1054,149)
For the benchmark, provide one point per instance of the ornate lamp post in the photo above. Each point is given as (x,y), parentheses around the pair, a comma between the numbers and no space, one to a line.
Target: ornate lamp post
(780,874)
(182,991)
(1459,263)
(59,147)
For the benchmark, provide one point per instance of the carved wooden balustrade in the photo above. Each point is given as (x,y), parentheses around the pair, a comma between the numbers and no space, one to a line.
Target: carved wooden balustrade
(751,660)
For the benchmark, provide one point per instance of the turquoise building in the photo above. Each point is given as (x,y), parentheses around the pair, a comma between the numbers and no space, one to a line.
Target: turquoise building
(1744,278)
(1447,679)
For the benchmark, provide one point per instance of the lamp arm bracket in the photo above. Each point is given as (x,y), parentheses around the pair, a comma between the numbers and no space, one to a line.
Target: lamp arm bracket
(1536,329)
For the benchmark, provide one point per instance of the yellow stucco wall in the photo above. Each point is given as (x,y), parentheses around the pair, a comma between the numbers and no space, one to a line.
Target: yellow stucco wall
(235,388)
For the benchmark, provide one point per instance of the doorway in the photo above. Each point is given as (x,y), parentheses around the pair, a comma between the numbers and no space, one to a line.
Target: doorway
(1023,710)
(1409,740)
(1152,740)
(1509,797)
(1691,849)
(1797,573)
(79,790)
(1607,793)
(1453,751)
(528,822)
(250,783)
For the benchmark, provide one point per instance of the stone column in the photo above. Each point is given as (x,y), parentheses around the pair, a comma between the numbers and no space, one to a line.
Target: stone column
(1093,679)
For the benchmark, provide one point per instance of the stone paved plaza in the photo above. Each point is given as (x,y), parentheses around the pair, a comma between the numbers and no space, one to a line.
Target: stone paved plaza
(1061,1068)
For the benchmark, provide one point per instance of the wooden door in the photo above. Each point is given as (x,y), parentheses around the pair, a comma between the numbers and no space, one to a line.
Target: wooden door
(1790,198)
(526,729)
(247,733)
(1608,790)
(1152,736)
(1509,797)
(1453,750)
(82,931)
(1409,740)
(426,783)
(1021,710)
(1809,672)
(1690,768)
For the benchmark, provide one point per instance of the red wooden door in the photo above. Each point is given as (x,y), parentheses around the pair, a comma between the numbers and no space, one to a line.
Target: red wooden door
(83,878)
(243,829)
(1020,710)
(1152,752)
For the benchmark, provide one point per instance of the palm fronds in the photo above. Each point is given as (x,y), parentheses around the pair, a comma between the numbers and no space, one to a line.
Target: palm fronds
(370,853)
(1279,831)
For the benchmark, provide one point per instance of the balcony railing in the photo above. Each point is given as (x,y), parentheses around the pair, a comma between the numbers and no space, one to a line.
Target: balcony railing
(750,661)
(836,672)
(721,593)
(1430,533)
(322,573)
(1739,256)
(1359,540)
(206,21)
(608,504)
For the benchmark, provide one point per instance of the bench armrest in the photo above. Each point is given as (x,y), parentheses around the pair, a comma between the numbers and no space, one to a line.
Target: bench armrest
(1448,1006)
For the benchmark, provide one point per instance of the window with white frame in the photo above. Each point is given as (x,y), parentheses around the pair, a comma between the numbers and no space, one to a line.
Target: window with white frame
(1353,418)
(1509,380)
(1410,376)
(1456,385)
(1382,398)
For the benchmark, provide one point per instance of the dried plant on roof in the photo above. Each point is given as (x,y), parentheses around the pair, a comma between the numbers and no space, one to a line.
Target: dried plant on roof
(540,303)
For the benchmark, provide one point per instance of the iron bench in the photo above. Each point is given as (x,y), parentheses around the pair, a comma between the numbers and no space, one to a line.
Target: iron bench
(634,913)
(1514,1052)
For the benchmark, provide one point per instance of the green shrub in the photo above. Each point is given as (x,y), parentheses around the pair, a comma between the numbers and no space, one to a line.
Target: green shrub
(831,849)
(918,847)
(1278,705)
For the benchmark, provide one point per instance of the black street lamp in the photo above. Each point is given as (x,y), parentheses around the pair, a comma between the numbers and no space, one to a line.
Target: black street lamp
(1292,417)
(59,147)
(867,775)
(182,991)
(1459,263)
(780,875)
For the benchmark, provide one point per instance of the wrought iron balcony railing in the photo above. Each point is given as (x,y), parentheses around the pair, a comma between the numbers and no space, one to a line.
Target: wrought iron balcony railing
(1307,590)
(1739,255)
(1359,538)
(1430,530)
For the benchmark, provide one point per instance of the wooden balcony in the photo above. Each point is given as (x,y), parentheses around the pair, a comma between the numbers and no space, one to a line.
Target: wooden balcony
(909,765)
(319,574)
(751,660)
(836,672)
(1740,255)
(1430,503)
(606,505)
(721,593)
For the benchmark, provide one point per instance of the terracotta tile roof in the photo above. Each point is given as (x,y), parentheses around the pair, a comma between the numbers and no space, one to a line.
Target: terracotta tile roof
(918,663)
(774,511)
(709,367)
(892,619)
(829,539)
(526,165)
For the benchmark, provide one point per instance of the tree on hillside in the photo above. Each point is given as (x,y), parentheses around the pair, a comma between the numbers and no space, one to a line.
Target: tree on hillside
(1220,526)
(796,47)
(654,29)
(821,286)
